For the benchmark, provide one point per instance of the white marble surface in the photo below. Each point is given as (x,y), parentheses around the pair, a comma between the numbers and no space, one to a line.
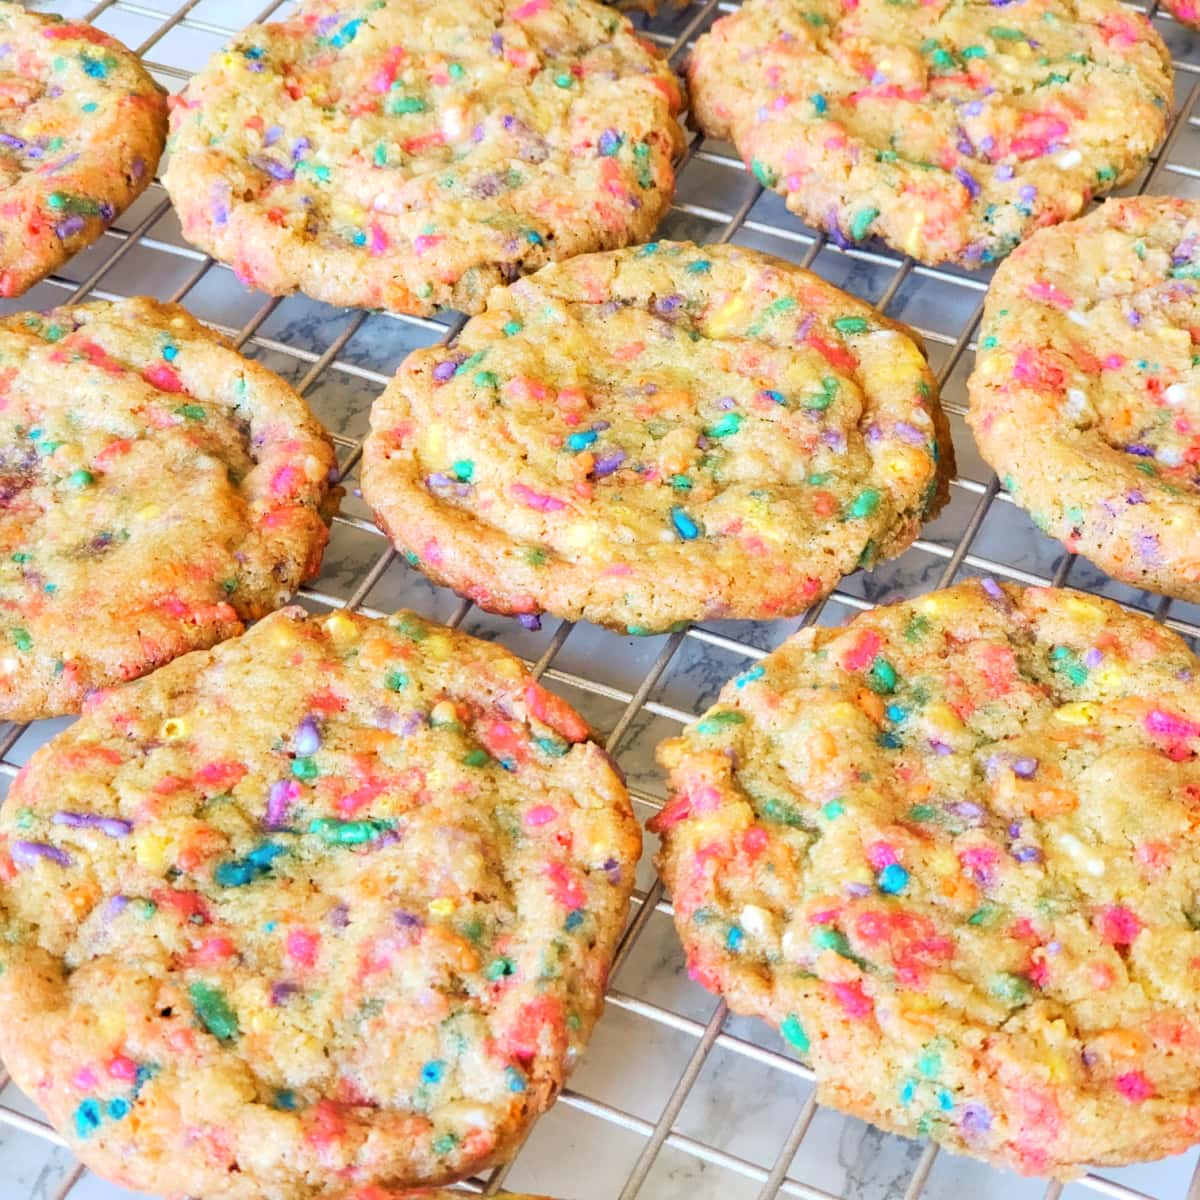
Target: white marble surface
(740,1106)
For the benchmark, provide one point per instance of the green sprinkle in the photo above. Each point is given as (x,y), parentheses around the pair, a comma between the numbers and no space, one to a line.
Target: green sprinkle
(455,71)
(554,747)
(729,424)
(305,768)
(445,1143)
(395,681)
(1004,34)
(851,324)
(464,470)
(347,833)
(193,412)
(500,968)
(407,104)
(832,810)
(477,758)
(22,640)
(1012,989)
(681,483)
(763,173)
(512,327)
(213,1011)
(717,721)
(973,52)
(794,1033)
(80,479)
(563,81)
(825,938)
(862,222)
(882,678)
(487,379)
(21,557)
(922,812)
(865,503)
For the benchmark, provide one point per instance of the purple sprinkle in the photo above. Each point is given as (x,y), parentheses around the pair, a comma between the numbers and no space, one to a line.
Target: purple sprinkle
(497,43)
(281,993)
(1025,768)
(1134,317)
(25,854)
(612,869)
(940,748)
(1148,548)
(606,464)
(874,433)
(1027,194)
(530,621)
(219,198)
(410,724)
(115,906)
(445,370)
(69,227)
(992,588)
(1093,658)
(1140,449)
(608,142)
(1184,251)
(909,433)
(407,920)
(601,426)
(836,236)
(58,166)
(666,305)
(967,810)
(1004,172)
(279,799)
(1054,947)
(438,479)
(112,826)
(277,170)
(975,1118)
(273,135)
(858,889)
(726,403)
(1014,829)
(1027,854)
(974,108)
(308,737)
(15,142)
(339,917)
(299,147)
(968,181)
(1134,496)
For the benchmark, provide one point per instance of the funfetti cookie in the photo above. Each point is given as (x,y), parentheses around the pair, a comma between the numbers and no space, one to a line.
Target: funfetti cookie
(657,435)
(328,907)
(410,154)
(1085,395)
(949,130)
(82,126)
(157,490)
(949,852)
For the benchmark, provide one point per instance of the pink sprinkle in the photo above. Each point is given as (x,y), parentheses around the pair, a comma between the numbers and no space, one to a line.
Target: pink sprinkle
(979,861)
(754,840)
(165,378)
(619,569)
(431,553)
(823,916)
(529,10)
(855,1003)
(84,1078)
(537,500)
(379,239)
(284,481)
(1170,724)
(704,798)
(302,945)
(1114,362)
(566,888)
(881,855)
(426,241)
(540,815)
(1133,1085)
(1041,290)
(862,654)
(121,1067)
(1117,925)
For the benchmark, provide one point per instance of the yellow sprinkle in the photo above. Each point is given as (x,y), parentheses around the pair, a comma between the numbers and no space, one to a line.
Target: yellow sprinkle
(1081,712)
(438,646)
(507,666)
(906,463)
(433,444)
(944,717)
(149,512)
(341,628)
(444,713)
(941,606)
(1087,610)
(151,851)
(443,906)
(1109,678)
(912,243)
(728,315)
(174,728)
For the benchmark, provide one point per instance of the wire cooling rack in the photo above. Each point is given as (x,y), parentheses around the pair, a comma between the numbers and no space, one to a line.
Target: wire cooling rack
(676,1098)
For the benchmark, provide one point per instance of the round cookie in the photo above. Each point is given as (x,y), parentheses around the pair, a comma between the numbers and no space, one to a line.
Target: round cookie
(949,130)
(1085,395)
(1186,12)
(658,435)
(949,851)
(410,154)
(156,490)
(82,126)
(329,905)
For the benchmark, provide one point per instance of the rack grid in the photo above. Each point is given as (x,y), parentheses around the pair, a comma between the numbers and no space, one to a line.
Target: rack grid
(664,1047)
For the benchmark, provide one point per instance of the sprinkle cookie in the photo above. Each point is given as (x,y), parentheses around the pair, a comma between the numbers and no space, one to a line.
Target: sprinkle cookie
(659,435)
(410,154)
(949,852)
(327,906)
(82,126)
(1186,12)
(949,130)
(1086,391)
(156,490)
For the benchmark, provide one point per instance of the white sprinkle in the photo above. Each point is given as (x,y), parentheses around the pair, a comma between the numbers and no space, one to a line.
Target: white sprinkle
(1170,455)
(1077,403)
(1078,317)
(1072,158)
(1177,393)
(758,922)
(1091,863)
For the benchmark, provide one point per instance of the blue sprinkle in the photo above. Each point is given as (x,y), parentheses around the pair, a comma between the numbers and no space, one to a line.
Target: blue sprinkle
(892,879)
(118,1108)
(94,67)
(87,1118)
(945,1100)
(581,441)
(170,353)
(908,1091)
(684,525)
(433,1071)
(819,103)
(750,676)
(285,1099)
(516,1081)
(574,919)
(736,937)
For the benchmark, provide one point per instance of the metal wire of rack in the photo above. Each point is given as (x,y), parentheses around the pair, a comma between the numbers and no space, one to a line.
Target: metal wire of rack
(656,684)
